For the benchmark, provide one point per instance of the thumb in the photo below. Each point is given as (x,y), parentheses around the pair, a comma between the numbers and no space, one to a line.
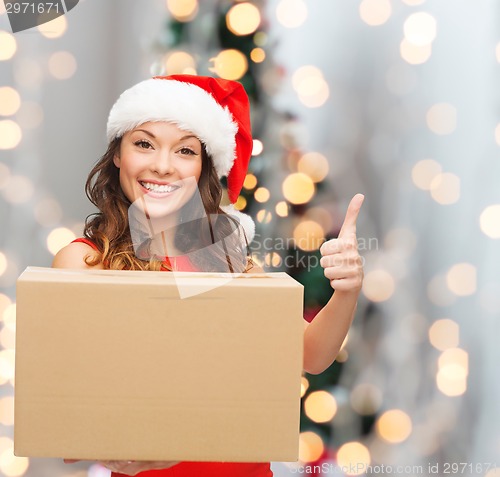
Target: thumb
(349,225)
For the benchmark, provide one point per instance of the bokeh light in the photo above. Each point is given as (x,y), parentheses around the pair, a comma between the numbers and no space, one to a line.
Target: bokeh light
(462,279)
(320,215)
(311,446)
(257,148)
(250,181)
(55,28)
(10,134)
(59,238)
(3,263)
(230,64)
(442,118)
(413,54)
(308,235)
(62,65)
(291,13)
(7,411)
(445,188)
(262,194)
(183,10)
(281,209)
(264,216)
(353,456)
(28,73)
(8,45)
(320,406)
(315,165)
(420,29)
(304,385)
(298,188)
(451,378)
(394,426)
(310,85)
(18,190)
(444,334)
(179,62)
(378,285)
(7,360)
(258,55)
(366,399)
(489,221)
(375,12)
(273,259)
(10,101)
(240,203)
(13,466)
(424,172)
(243,19)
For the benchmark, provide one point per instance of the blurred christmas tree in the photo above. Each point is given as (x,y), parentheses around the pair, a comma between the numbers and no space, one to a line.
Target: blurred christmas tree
(283,187)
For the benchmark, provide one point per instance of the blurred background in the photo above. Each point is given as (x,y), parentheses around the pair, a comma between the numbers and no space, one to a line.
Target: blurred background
(396,99)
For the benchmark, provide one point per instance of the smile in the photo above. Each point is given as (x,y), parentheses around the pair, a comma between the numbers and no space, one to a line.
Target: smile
(159,188)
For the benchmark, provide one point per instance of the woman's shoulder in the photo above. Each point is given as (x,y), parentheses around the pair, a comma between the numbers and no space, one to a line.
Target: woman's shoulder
(74,255)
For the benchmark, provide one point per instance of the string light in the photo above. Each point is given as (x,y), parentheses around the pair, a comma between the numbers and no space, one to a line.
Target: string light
(230,64)
(311,446)
(262,194)
(489,221)
(291,13)
(55,28)
(462,279)
(243,19)
(424,172)
(281,209)
(258,55)
(375,12)
(298,188)
(442,118)
(444,334)
(378,285)
(353,456)
(250,181)
(310,85)
(420,29)
(62,65)
(10,101)
(394,426)
(451,378)
(183,10)
(413,54)
(273,259)
(240,203)
(10,134)
(315,165)
(3,263)
(180,62)
(8,45)
(59,238)
(445,188)
(320,406)
(257,148)
(308,235)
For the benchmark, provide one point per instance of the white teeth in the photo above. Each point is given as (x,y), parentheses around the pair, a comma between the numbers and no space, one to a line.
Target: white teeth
(158,187)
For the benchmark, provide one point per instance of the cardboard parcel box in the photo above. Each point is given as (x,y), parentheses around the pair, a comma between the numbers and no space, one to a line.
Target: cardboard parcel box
(114,365)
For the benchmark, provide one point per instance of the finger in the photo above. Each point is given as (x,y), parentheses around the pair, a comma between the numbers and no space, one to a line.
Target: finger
(330,247)
(349,225)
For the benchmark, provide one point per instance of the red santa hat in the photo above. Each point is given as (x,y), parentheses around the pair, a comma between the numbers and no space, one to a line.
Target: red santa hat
(215,109)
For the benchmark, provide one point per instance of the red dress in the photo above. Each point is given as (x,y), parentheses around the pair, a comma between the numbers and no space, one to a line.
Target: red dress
(200,469)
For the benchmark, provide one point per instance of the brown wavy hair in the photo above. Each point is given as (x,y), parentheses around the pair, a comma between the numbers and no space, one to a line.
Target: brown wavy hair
(109,228)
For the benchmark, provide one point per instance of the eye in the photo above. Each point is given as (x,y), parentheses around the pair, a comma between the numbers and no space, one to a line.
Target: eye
(186,151)
(143,144)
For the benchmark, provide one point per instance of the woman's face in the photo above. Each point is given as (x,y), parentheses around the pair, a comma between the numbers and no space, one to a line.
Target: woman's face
(160,166)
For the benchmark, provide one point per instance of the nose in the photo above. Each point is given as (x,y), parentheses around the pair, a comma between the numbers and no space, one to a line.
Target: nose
(163,163)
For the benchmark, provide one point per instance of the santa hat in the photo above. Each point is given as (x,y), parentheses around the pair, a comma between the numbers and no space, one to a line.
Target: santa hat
(215,109)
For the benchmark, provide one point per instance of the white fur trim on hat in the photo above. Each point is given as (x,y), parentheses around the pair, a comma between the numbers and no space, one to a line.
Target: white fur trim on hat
(244,219)
(188,106)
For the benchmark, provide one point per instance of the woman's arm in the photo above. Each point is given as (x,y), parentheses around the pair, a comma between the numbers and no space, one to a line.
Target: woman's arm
(324,336)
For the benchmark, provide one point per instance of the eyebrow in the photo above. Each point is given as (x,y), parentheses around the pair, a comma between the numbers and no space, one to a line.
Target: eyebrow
(189,136)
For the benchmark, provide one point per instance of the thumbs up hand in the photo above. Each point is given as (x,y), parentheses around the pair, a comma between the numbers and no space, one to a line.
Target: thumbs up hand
(340,258)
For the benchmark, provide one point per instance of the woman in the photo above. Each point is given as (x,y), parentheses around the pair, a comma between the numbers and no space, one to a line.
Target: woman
(158,192)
